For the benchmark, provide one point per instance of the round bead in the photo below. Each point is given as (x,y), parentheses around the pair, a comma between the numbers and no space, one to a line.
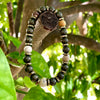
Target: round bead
(63,31)
(65,58)
(53,81)
(32,21)
(34,77)
(59,14)
(30,30)
(62,23)
(60,75)
(27,59)
(64,40)
(43,8)
(52,9)
(36,14)
(64,67)
(27,49)
(28,39)
(66,49)
(29,68)
(43,82)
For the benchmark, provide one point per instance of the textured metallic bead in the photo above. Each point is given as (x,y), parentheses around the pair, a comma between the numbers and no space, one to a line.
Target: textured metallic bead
(27,49)
(57,79)
(43,82)
(28,44)
(29,35)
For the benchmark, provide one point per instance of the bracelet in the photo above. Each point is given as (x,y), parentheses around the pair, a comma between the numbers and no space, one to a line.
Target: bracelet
(28,47)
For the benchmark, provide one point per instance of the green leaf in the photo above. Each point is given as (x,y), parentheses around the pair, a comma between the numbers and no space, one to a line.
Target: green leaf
(92,66)
(15,41)
(28,82)
(39,65)
(7,88)
(36,93)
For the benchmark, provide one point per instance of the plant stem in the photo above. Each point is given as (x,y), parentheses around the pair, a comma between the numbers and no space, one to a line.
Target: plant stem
(19,91)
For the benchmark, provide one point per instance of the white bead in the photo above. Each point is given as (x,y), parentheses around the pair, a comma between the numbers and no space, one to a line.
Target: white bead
(43,82)
(27,49)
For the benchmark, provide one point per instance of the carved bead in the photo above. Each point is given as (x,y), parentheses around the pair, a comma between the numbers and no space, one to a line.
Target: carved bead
(34,77)
(28,39)
(62,23)
(53,81)
(66,49)
(43,8)
(65,58)
(64,67)
(27,59)
(43,82)
(64,40)
(32,21)
(63,31)
(59,14)
(29,68)
(52,9)
(60,75)
(36,14)
(27,49)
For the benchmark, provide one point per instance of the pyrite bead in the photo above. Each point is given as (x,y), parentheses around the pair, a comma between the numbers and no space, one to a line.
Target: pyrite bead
(29,68)
(66,49)
(64,40)
(64,67)
(27,59)
(28,39)
(53,81)
(34,77)
(63,31)
(60,75)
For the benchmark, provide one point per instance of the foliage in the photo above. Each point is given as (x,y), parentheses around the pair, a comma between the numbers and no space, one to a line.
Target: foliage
(7,87)
(83,76)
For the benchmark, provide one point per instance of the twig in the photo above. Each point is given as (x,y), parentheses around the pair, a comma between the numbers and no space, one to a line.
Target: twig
(20,91)
(2,43)
(10,16)
(73,39)
(18,16)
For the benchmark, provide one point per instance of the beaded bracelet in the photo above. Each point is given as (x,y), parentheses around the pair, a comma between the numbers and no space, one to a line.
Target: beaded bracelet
(28,47)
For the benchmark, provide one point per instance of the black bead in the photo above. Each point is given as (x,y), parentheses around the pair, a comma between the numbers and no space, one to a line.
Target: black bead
(64,40)
(32,21)
(34,77)
(60,75)
(43,8)
(64,67)
(30,30)
(53,81)
(28,39)
(63,31)
(52,9)
(29,68)
(66,49)
(59,14)
(27,59)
